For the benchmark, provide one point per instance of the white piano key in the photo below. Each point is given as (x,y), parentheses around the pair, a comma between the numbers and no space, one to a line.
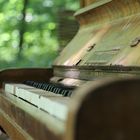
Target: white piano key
(33,95)
(54,104)
(22,93)
(10,87)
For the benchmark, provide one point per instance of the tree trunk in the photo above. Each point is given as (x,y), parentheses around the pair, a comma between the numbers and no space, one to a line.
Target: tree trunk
(22,27)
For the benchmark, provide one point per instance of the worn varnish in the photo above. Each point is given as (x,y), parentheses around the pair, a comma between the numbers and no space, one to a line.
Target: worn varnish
(102,63)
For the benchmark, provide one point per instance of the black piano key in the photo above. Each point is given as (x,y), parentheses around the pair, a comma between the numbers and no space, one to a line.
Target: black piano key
(58,91)
(46,86)
(54,90)
(66,93)
(51,87)
(39,85)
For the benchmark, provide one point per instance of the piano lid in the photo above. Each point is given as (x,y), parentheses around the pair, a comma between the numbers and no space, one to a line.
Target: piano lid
(109,35)
(85,3)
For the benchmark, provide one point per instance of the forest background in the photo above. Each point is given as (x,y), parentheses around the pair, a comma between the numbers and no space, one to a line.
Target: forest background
(29,31)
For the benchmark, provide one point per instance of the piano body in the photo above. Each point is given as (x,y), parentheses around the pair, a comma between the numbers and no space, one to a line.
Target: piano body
(92,91)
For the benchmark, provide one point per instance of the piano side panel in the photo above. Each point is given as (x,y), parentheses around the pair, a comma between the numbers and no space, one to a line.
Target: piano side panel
(105,109)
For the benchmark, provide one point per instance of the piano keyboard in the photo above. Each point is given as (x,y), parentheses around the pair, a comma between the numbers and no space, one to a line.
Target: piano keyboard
(54,88)
(54,104)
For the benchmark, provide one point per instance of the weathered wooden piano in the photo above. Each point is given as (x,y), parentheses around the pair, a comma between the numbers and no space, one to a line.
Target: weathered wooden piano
(93,90)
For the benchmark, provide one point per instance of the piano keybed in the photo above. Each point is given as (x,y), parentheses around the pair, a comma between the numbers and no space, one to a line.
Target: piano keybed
(44,99)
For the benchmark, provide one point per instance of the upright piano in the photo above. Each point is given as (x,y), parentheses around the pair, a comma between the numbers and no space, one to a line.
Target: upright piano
(92,91)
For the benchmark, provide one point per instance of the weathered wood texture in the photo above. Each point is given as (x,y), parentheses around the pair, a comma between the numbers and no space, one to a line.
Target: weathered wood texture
(12,129)
(107,109)
(86,2)
(108,36)
(20,75)
(26,121)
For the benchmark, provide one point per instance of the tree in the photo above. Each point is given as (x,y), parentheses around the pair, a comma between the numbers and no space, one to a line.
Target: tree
(22,27)
(29,30)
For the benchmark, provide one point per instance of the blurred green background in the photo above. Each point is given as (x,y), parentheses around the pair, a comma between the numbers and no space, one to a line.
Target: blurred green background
(30,31)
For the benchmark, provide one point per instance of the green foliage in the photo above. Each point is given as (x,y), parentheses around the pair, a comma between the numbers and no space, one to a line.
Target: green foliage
(40,45)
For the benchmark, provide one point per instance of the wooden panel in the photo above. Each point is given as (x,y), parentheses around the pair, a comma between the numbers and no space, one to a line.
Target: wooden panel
(108,109)
(86,2)
(36,123)
(108,30)
(12,129)
(20,75)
